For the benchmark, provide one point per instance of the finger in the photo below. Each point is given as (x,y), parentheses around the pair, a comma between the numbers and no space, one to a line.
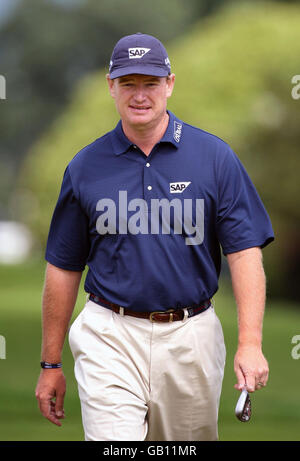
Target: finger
(59,406)
(261,380)
(250,383)
(265,377)
(53,411)
(240,379)
(46,408)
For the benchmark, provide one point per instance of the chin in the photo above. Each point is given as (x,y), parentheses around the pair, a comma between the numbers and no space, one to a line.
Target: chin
(140,119)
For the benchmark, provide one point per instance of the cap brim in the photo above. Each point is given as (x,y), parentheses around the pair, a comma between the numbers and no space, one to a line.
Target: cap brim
(141,70)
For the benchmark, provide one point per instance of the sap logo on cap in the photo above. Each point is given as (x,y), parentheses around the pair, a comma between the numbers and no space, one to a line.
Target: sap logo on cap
(178,187)
(167,62)
(137,53)
(177,131)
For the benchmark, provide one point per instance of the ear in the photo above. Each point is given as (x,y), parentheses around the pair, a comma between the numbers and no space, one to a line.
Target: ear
(111,85)
(170,84)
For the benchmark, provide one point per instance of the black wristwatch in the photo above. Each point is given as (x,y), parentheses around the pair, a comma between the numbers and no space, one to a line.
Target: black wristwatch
(51,365)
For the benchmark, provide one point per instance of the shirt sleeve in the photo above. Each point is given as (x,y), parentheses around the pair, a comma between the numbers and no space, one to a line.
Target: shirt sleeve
(242,220)
(68,240)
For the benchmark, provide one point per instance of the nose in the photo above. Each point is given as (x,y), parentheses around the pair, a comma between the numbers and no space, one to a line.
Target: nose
(139,94)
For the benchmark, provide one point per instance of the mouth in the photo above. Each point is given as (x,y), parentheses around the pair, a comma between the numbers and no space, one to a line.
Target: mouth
(139,109)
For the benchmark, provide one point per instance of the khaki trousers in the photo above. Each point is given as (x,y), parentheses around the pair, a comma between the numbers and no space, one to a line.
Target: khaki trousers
(139,380)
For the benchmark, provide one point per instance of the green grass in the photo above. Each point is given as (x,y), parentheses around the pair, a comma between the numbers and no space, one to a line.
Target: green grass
(276,409)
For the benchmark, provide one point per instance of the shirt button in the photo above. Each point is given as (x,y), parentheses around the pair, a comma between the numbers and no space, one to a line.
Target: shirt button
(147,165)
(135,147)
(149,187)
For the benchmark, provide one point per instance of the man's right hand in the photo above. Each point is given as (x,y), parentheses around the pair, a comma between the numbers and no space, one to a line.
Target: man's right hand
(51,385)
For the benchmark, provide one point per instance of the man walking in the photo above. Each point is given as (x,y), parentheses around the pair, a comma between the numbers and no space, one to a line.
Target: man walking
(149,207)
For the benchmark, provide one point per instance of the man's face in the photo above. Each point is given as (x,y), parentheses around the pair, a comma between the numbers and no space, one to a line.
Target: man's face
(141,100)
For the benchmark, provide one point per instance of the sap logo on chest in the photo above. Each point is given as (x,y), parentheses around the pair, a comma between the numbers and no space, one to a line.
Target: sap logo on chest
(178,187)
(137,53)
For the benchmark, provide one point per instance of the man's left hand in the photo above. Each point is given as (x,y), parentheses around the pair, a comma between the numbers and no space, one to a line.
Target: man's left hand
(251,368)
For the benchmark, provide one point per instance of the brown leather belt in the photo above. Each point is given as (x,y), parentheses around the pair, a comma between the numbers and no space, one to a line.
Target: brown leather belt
(170,315)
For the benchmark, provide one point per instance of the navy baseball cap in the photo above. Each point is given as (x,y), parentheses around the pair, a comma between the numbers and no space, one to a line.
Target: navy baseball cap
(139,54)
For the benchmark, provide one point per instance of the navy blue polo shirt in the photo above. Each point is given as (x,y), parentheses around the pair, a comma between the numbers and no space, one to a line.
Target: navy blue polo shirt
(151,228)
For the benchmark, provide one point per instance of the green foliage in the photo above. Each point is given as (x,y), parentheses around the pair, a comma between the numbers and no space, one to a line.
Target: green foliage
(233,78)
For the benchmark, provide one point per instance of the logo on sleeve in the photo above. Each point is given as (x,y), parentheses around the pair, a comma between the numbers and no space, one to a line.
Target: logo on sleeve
(137,53)
(178,187)
(177,131)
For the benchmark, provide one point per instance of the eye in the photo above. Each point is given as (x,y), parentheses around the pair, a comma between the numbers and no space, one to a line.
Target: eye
(127,84)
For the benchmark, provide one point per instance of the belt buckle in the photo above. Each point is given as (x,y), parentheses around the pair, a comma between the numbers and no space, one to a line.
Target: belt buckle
(169,311)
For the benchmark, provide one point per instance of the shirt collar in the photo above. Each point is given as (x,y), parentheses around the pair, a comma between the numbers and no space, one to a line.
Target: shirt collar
(173,134)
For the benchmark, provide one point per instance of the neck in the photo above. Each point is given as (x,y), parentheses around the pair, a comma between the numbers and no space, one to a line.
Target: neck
(145,137)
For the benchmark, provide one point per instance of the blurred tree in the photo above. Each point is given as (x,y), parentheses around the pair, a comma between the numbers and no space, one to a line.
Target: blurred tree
(273,146)
(233,78)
